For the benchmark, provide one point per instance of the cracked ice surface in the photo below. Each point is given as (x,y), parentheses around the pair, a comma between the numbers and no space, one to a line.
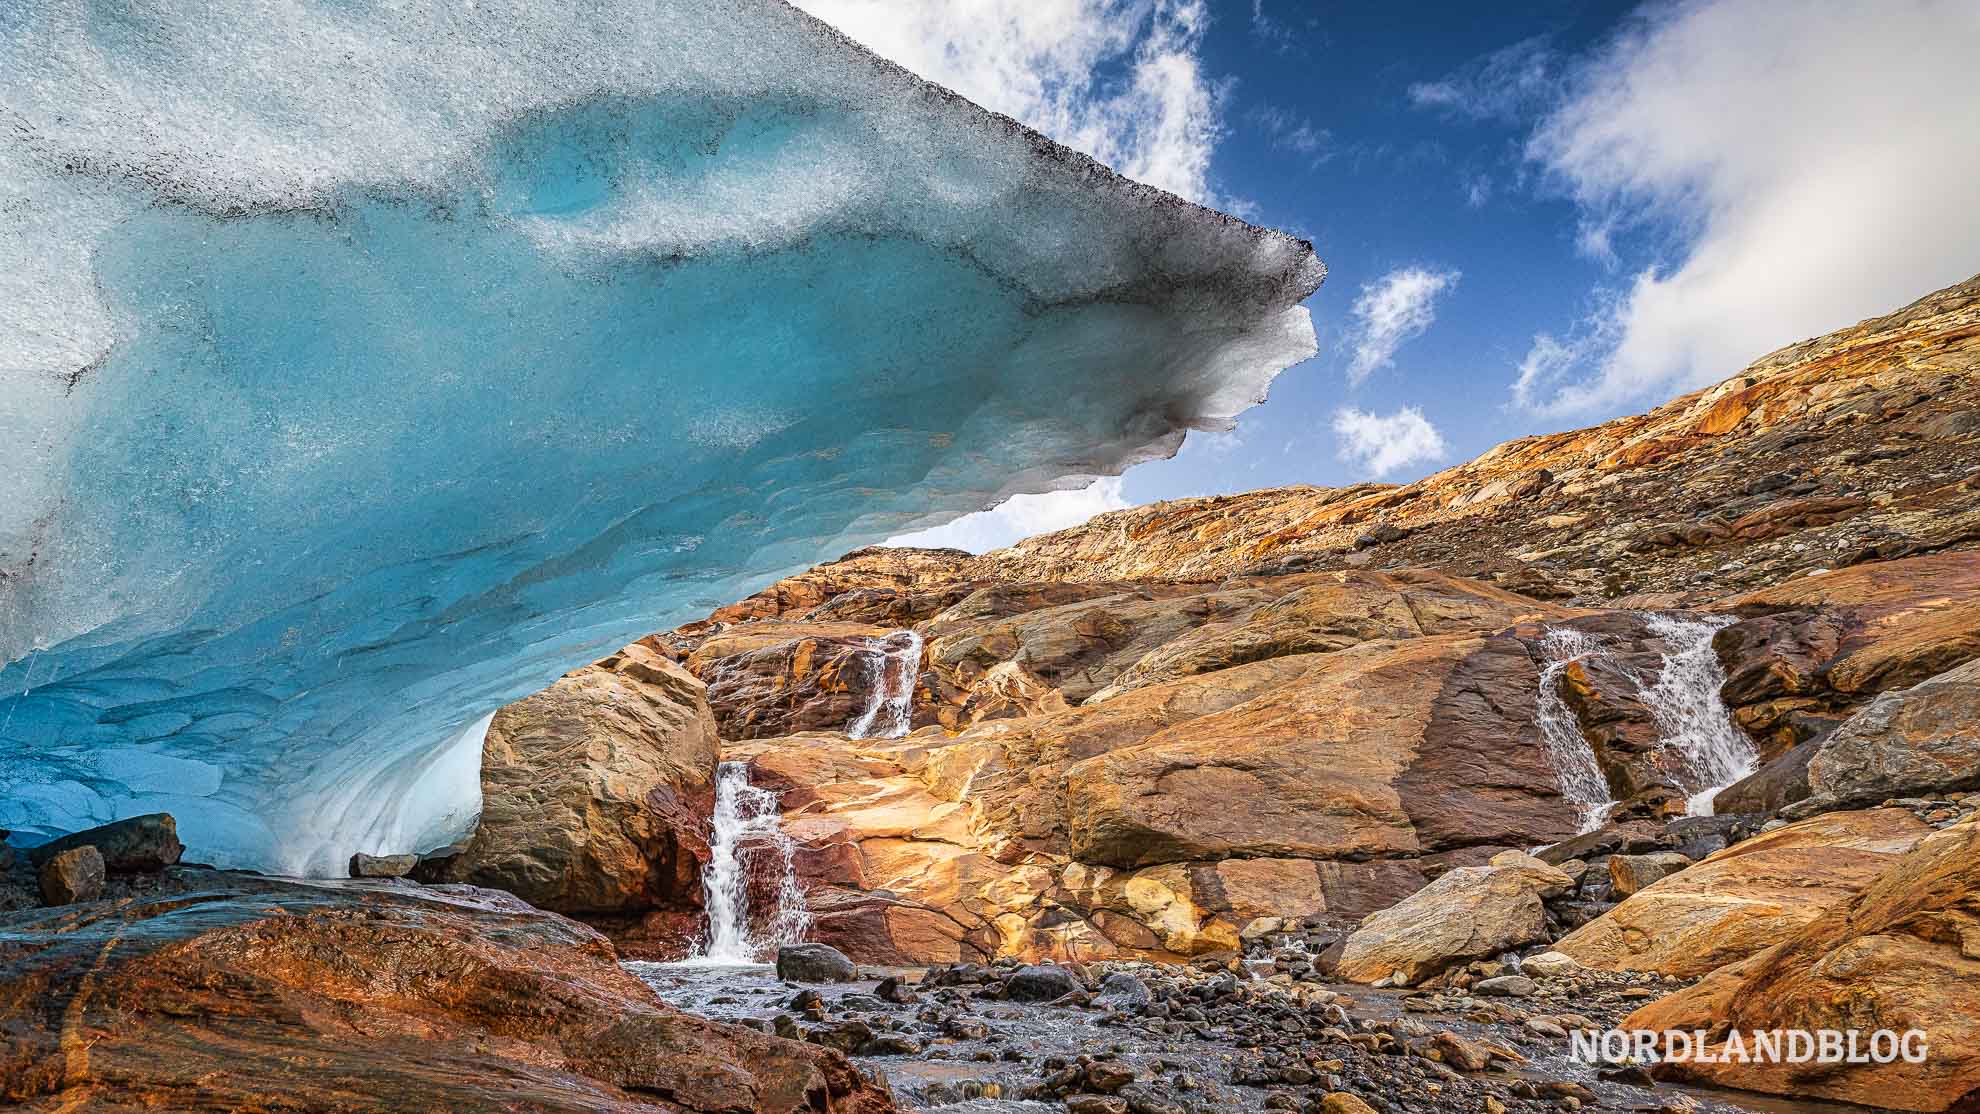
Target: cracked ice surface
(363,367)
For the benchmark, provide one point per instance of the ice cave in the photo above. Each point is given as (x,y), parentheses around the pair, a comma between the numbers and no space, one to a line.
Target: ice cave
(356,380)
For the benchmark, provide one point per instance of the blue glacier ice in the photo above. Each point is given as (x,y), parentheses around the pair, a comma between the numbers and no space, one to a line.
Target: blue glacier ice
(364,365)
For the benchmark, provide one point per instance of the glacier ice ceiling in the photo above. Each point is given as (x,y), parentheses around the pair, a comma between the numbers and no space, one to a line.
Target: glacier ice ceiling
(364,366)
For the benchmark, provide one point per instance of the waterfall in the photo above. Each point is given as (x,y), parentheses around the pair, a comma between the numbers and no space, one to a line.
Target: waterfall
(1683,698)
(747,824)
(1691,716)
(1581,778)
(890,672)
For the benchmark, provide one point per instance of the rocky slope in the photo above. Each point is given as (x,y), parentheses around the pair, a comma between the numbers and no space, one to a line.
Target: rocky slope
(1180,728)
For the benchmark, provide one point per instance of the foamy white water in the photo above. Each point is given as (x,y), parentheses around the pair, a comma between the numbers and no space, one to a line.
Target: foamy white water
(890,672)
(1683,698)
(1580,776)
(1691,716)
(747,824)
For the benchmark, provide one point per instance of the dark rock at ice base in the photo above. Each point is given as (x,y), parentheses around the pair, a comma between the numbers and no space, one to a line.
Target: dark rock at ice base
(72,876)
(382,866)
(892,989)
(136,845)
(814,963)
(1041,982)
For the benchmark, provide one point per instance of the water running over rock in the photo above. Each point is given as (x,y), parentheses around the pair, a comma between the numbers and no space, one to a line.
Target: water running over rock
(1581,777)
(1682,696)
(890,672)
(747,826)
(1691,716)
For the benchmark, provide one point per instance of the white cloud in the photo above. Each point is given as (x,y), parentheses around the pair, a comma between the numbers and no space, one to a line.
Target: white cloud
(1021,516)
(1392,310)
(1819,169)
(1508,84)
(1384,445)
(1042,61)
(1289,132)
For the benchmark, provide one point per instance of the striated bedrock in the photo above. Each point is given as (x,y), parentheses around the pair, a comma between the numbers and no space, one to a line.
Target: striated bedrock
(1746,898)
(596,792)
(1904,953)
(1862,444)
(1383,750)
(1915,741)
(348,406)
(362,997)
(1807,655)
(1347,735)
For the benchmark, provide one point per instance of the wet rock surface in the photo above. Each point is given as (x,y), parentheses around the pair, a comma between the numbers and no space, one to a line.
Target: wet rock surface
(226,991)
(1255,1032)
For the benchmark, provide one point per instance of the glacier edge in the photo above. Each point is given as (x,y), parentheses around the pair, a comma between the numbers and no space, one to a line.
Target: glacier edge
(403,400)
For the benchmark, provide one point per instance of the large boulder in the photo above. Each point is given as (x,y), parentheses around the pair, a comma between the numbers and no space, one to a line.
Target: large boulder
(1746,898)
(596,792)
(223,990)
(134,845)
(1468,913)
(1918,741)
(72,876)
(1902,954)
(814,963)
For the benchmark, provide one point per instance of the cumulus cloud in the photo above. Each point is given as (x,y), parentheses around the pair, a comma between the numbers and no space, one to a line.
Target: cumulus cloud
(1391,311)
(1383,445)
(1815,171)
(1021,516)
(1121,80)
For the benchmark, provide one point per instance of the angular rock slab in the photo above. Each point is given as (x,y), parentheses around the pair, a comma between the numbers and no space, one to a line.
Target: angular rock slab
(1902,954)
(1746,898)
(368,999)
(1471,912)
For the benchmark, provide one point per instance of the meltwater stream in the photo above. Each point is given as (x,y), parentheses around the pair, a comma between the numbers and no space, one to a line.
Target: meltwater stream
(1683,697)
(747,825)
(890,671)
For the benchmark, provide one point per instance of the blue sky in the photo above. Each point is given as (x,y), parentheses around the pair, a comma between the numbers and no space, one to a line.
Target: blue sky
(1536,216)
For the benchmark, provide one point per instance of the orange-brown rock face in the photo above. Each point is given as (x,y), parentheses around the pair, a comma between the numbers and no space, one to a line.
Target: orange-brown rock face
(365,998)
(1902,954)
(596,792)
(1747,897)
(1854,446)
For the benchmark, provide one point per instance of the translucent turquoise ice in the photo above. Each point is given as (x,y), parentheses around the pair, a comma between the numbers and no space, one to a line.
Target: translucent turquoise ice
(363,370)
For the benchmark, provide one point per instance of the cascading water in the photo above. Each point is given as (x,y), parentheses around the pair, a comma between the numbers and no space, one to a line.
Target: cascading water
(1691,716)
(1683,697)
(890,672)
(747,824)
(1580,776)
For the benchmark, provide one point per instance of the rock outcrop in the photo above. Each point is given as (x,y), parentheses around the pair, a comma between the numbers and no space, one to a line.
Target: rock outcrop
(1902,954)
(1911,742)
(367,998)
(1747,897)
(596,792)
